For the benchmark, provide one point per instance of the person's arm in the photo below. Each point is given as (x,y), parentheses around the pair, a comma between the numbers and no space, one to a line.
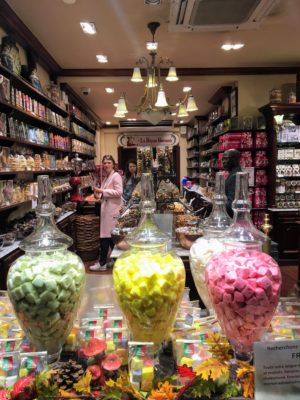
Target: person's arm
(117,189)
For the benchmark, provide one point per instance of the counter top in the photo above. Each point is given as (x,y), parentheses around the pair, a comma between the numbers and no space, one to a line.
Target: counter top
(6,250)
(183,253)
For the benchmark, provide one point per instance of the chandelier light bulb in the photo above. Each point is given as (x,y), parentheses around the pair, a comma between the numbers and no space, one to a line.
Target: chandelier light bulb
(191,104)
(182,111)
(151,46)
(136,75)
(161,98)
(122,108)
(151,81)
(119,115)
(172,75)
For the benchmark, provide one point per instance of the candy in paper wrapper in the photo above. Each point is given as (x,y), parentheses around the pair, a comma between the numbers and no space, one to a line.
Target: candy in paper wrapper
(117,341)
(142,359)
(191,352)
(244,286)
(93,322)
(32,363)
(9,368)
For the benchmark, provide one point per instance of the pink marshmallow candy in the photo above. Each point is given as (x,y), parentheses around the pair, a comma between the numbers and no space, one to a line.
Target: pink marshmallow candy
(245,290)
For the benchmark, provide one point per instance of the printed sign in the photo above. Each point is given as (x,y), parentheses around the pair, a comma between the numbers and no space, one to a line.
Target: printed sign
(148,139)
(277,370)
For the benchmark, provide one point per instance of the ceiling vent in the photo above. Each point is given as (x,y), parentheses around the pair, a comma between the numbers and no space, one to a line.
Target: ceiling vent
(218,15)
(164,125)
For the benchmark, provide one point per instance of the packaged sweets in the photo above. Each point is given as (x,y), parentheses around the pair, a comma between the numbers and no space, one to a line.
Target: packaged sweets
(141,365)
(10,344)
(92,322)
(115,322)
(86,333)
(32,363)
(191,352)
(9,368)
(117,342)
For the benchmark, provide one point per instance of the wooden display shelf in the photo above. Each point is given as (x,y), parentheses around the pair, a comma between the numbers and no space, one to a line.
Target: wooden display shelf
(78,121)
(42,171)
(31,144)
(22,84)
(82,154)
(81,139)
(288,144)
(5,208)
(238,131)
(25,116)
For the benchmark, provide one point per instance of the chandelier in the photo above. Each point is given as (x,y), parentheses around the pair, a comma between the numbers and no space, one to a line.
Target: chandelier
(154,106)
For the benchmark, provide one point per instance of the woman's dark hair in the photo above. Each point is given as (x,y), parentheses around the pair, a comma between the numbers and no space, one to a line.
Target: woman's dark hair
(127,172)
(110,158)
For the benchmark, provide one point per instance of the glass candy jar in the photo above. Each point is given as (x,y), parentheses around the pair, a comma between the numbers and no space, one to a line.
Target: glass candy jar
(211,243)
(45,284)
(244,286)
(148,278)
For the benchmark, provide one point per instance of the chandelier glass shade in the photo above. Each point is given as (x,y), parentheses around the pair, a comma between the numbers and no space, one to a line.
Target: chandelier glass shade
(154,105)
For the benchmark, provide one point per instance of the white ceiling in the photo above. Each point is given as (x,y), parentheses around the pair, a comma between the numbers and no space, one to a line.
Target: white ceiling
(122,33)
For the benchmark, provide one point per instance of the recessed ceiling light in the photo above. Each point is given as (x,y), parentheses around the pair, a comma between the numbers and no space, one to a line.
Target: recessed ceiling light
(231,46)
(101,58)
(131,119)
(109,90)
(116,104)
(181,122)
(187,89)
(107,123)
(69,1)
(174,113)
(177,104)
(152,45)
(88,27)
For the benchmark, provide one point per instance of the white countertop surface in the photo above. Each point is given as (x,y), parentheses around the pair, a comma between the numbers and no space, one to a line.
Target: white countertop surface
(183,253)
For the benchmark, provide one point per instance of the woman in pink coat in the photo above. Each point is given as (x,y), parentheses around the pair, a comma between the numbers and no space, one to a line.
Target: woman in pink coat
(111,201)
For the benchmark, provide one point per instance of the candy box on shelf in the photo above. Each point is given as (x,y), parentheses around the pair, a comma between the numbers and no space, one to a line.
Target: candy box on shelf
(261,177)
(260,159)
(142,359)
(246,140)
(260,197)
(246,159)
(261,140)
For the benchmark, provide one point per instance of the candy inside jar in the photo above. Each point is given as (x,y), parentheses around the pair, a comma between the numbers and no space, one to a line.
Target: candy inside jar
(149,279)
(45,284)
(244,286)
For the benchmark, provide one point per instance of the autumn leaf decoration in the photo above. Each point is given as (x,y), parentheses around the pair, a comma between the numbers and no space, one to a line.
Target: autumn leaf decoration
(219,347)
(245,374)
(124,385)
(83,386)
(164,391)
(212,368)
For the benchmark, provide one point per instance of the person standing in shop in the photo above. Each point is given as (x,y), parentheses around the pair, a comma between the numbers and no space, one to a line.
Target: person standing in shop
(231,163)
(129,180)
(110,193)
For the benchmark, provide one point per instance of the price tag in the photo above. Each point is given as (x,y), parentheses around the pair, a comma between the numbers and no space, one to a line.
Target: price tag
(277,370)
